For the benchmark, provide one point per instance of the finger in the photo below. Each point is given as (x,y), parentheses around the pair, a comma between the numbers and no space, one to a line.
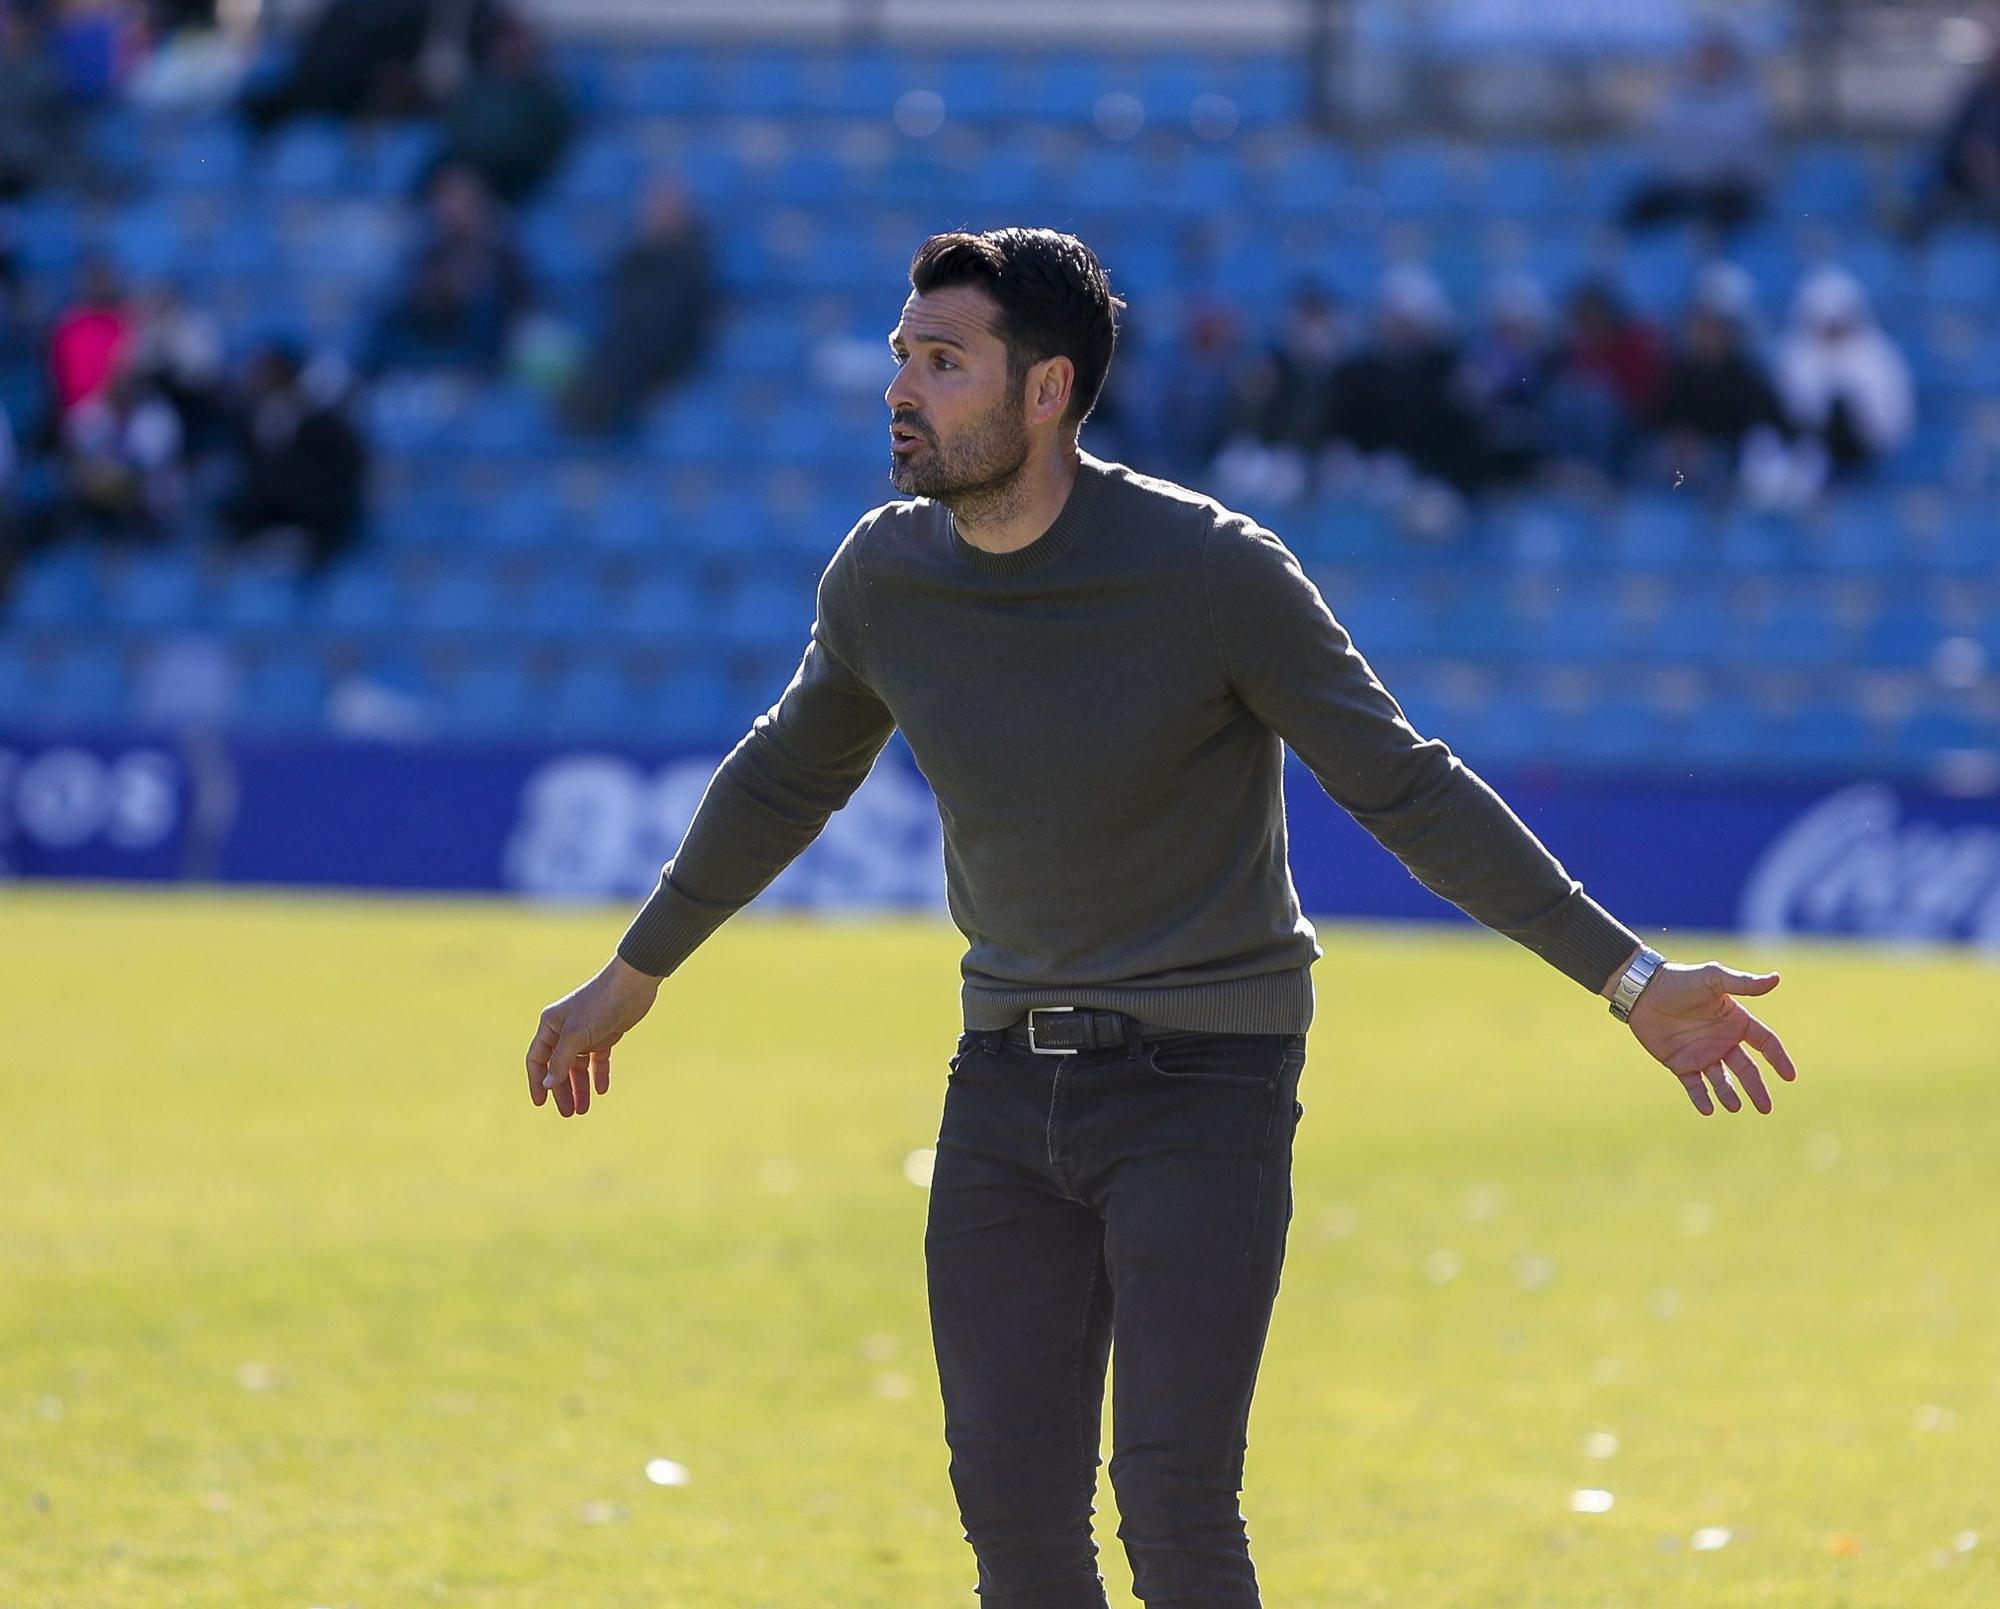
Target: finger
(579,1079)
(1731,981)
(1718,1075)
(600,1066)
(1749,1077)
(1772,1048)
(1698,1093)
(538,1059)
(558,1077)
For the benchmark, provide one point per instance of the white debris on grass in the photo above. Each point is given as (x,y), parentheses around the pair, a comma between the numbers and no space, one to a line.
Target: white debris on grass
(1443,1266)
(665,1472)
(1591,1500)
(1600,1444)
(918,1167)
(1711,1537)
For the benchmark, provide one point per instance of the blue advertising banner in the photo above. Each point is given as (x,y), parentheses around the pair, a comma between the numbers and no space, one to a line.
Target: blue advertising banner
(1852,857)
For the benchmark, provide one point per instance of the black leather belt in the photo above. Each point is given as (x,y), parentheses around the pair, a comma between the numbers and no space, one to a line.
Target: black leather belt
(1065,1030)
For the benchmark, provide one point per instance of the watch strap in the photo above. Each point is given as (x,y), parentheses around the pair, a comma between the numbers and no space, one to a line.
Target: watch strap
(1633,983)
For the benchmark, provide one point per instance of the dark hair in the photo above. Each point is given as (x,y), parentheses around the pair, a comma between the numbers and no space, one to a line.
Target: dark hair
(1054,298)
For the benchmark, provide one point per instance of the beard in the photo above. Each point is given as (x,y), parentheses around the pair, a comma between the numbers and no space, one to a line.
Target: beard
(976,469)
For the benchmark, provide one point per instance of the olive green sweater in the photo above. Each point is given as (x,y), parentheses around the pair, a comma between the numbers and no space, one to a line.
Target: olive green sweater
(1102,715)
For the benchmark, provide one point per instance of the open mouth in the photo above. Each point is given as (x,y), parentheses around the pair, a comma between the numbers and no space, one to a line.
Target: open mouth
(902,438)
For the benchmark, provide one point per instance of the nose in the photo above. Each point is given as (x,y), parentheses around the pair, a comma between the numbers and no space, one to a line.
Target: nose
(902,393)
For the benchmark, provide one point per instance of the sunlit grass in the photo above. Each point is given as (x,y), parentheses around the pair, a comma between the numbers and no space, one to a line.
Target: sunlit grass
(301,1302)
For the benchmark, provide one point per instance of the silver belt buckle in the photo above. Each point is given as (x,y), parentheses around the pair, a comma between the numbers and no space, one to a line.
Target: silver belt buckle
(1051,1050)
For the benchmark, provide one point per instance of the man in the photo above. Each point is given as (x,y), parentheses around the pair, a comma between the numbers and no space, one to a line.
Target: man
(1098,673)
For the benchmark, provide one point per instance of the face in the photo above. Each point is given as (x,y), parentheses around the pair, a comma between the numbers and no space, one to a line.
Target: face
(957,423)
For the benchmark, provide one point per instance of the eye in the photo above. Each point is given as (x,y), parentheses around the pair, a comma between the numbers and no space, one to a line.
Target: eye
(939,360)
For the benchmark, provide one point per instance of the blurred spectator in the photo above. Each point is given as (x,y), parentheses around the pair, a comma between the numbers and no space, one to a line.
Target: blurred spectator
(178,349)
(1287,407)
(122,461)
(1605,380)
(375,58)
(510,123)
(92,44)
(89,337)
(34,107)
(461,289)
(1711,143)
(1965,169)
(1196,391)
(1504,379)
(303,464)
(1394,399)
(659,305)
(1718,411)
(1845,385)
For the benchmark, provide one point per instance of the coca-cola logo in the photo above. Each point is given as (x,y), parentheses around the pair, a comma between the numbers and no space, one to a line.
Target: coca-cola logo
(1850,864)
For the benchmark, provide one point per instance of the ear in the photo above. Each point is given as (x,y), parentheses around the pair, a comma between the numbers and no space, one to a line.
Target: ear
(1049,385)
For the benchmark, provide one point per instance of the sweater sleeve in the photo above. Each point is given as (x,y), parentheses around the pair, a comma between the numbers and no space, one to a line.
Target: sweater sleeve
(1295,668)
(800,761)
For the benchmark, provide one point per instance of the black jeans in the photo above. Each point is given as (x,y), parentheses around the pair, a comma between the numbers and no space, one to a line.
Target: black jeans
(1144,1193)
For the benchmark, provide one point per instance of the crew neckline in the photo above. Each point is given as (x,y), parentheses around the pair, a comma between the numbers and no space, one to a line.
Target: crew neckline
(1052,543)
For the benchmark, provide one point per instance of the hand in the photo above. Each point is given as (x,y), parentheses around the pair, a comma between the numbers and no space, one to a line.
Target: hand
(572,1045)
(1686,1018)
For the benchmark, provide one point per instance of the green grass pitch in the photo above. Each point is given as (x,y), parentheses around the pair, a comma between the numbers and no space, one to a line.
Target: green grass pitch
(302,1302)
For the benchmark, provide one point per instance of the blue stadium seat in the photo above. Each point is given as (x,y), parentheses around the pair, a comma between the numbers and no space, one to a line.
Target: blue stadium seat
(359,598)
(1724,733)
(20,692)
(87,688)
(563,606)
(389,160)
(1755,543)
(1657,530)
(1961,269)
(753,83)
(256,598)
(1615,733)
(861,81)
(591,699)
(1586,623)
(202,157)
(1860,536)
(490,697)
(1417,178)
(1902,636)
(463,599)
(1829,183)
(1800,631)
(765,615)
(1309,177)
(974,88)
(152,589)
(1515,728)
(59,588)
(1824,735)
(286,693)
(693,706)
(308,158)
(651,82)
(1520,181)
(1066,89)
(664,609)
(1383,615)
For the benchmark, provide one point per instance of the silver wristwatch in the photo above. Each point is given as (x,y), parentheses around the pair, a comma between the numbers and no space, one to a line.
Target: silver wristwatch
(1633,983)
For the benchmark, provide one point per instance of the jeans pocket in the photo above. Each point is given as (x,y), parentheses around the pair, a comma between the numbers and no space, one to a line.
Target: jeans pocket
(969,1046)
(1255,1061)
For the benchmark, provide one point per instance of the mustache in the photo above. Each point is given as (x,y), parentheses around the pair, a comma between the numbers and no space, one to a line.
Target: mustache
(910,421)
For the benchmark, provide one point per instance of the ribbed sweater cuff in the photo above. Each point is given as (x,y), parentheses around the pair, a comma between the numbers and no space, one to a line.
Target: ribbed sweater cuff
(1583,940)
(668,929)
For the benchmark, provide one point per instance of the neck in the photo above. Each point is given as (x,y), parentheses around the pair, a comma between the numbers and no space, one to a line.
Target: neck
(1010,515)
